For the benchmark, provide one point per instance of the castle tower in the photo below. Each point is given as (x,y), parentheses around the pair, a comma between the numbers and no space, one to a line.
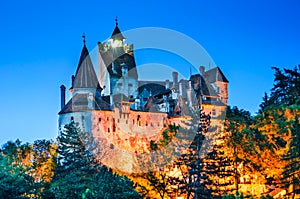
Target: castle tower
(215,76)
(117,58)
(83,92)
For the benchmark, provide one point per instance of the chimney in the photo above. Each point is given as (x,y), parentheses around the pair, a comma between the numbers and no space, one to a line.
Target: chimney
(202,70)
(175,79)
(73,78)
(62,96)
(180,89)
(167,84)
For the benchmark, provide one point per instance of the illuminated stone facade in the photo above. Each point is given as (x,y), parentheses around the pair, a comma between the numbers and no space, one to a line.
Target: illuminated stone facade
(126,113)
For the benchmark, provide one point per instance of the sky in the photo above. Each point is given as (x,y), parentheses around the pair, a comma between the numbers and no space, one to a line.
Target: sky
(40,45)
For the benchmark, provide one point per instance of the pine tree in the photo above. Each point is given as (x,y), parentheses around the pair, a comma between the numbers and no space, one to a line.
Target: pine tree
(195,181)
(219,167)
(236,121)
(291,173)
(79,175)
(107,184)
(76,163)
(286,89)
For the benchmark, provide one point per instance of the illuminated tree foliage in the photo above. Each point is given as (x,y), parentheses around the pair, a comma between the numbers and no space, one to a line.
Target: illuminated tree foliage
(218,163)
(286,89)
(14,182)
(194,181)
(291,173)
(78,175)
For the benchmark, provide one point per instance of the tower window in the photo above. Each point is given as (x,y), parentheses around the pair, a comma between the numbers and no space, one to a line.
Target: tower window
(130,85)
(99,119)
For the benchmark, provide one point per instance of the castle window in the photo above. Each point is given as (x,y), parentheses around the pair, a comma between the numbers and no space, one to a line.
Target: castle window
(108,130)
(129,84)
(132,121)
(99,119)
(126,121)
(82,117)
(111,146)
(107,118)
(114,125)
(146,123)
(72,118)
(118,120)
(213,112)
(120,84)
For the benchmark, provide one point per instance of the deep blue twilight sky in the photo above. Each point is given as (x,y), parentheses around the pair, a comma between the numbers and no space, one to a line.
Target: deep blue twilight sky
(40,44)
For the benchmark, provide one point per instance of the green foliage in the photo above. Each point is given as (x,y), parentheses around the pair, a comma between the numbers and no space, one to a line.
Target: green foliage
(107,184)
(195,181)
(14,182)
(78,171)
(167,136)
(291,173)
(286,89)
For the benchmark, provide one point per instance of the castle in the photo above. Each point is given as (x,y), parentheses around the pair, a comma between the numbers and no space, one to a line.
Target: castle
(126,113)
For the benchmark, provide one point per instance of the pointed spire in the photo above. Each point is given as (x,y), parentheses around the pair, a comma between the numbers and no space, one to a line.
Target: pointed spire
(85,76)
(116,20)
(117,33)
(83,36)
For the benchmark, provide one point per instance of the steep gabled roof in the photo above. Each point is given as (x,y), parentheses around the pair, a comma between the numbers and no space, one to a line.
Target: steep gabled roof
(201,86)
(215,74)
(85,76)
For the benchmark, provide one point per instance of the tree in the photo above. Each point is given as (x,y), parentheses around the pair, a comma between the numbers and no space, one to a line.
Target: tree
(107,184)
(43,163)
(236,121)
(291,173)
(219,166)
(14,181)
(194,181)
(286,89)
(76,163)
(78,174)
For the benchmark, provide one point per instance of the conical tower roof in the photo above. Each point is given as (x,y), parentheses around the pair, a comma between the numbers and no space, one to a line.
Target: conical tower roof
(117,32)
(85,76)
